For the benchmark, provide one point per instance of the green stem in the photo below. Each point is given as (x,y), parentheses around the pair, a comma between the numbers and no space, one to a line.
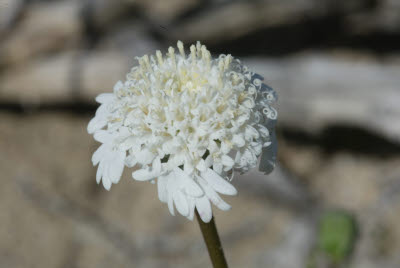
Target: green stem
(213,243)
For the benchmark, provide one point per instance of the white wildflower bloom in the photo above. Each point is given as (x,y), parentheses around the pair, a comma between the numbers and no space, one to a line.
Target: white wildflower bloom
(187,121)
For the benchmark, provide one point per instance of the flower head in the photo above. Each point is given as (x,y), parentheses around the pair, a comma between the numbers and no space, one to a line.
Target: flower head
(187,121)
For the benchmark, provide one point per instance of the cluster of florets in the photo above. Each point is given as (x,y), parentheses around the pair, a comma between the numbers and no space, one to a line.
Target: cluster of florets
(186,122)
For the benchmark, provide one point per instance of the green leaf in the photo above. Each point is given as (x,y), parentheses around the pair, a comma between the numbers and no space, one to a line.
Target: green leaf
(337,235)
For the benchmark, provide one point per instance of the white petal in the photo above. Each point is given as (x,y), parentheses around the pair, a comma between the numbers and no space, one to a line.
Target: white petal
(213,147)
(106,183)
(188,168)
(217,135)
(145,157)
(105,97)
(213,196)
(238,157)
(225,147)
(129,142)
(143,174)
(99,154)
(162,188)
(217,166)
(238,140)
(181,203)
(242,119)
(171,188)
(123,133)
(176,160)
(102,111)
(116,166)
(103,136)
(263,131)
(249,157)
(209,161)
(191,203)
(201,166)
(192,189)
(203,207)
(171,204)
(96,123)
(227,161)
(118,86)
(132,118)
(257,148)
(266,144)
(130,161)
(217,183)
(187,183)
(250,133)
(114,126)
(156,166)
(204,164)
(147,173)
(99,173)
(201,131)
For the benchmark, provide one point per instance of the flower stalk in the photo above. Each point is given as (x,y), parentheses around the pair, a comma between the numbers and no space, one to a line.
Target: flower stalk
(213,243)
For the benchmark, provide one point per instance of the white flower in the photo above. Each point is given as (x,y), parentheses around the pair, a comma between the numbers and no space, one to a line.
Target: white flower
(187,122)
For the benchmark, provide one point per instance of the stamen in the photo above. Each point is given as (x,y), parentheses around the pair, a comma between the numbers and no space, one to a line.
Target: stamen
(193,54)
(171,52)
(141,63)
(221,64)
(159,57)
(203,52)
(208,60)
(144,76)
(181,49)
(228,60)
(220,81)
(198,48)
(146,61)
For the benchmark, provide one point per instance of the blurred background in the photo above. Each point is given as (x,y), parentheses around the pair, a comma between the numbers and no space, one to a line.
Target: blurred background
(334,198)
